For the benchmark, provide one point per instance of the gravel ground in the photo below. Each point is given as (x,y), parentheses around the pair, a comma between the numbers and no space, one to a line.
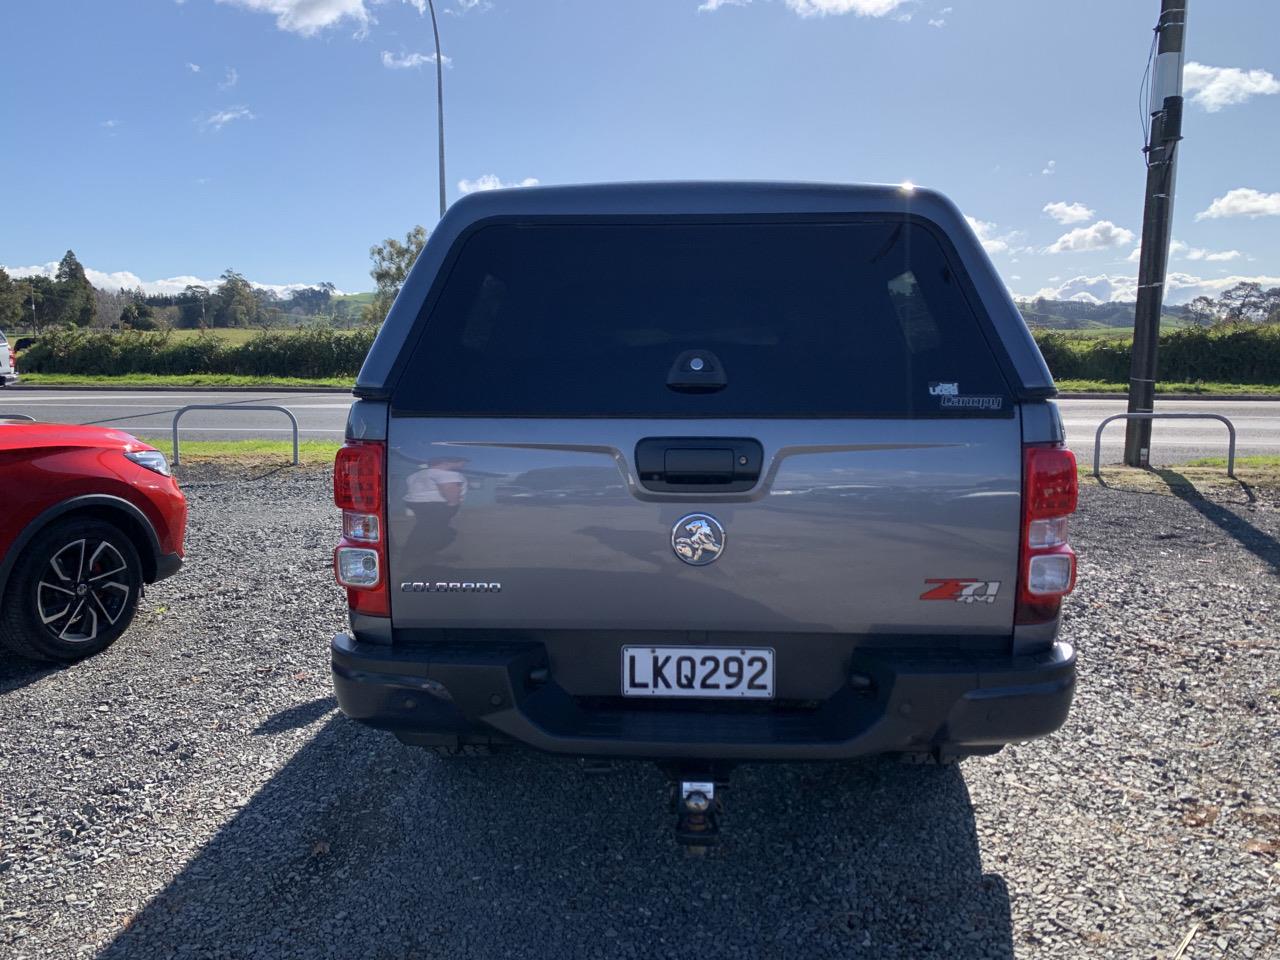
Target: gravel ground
(192,792)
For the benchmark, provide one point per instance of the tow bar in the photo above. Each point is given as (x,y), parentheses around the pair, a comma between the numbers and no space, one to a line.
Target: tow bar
(697,801)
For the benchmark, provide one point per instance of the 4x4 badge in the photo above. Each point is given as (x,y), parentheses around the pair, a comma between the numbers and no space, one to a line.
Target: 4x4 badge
(963,591)
(698,539)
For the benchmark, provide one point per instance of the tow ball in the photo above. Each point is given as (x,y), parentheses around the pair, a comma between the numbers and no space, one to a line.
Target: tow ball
(697,801)
(697,814)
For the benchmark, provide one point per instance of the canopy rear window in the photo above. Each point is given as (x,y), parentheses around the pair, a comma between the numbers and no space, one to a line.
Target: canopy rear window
(803,319)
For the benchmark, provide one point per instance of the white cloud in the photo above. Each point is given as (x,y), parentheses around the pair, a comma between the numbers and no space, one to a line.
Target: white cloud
(1098,236)
(491,182)
(193,67)
(216,121)
(938,22)
(124,279)
(408,61)
(1218,284)
(110,124)
(1065,212)
(819,8)
(992,241)
(1050,168)
(1179,287)
(231,78)
(1214,256)
(863,8)
(1217,87)
(1184,251)
(309,17)
(1242,202)
(461,7)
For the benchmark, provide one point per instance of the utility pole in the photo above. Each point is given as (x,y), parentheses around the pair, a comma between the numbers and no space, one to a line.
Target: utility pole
(435,29)
(1157,223)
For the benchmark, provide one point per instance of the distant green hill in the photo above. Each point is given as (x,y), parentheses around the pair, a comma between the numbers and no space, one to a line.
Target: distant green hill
(1106,319)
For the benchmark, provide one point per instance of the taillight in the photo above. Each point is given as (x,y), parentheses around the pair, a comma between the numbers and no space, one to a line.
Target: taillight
(360,560)
(1047,566)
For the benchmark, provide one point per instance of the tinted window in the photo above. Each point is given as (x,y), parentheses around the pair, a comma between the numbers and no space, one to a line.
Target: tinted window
(805,319)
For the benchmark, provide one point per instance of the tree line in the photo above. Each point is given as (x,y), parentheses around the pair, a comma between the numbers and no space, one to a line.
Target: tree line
(65,299)
(1245,302)
(68,299)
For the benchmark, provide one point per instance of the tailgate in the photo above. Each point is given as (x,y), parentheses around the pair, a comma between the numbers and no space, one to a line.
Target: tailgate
(849,358)
(849,525)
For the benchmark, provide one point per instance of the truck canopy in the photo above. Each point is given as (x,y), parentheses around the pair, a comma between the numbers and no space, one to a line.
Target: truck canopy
(808,236)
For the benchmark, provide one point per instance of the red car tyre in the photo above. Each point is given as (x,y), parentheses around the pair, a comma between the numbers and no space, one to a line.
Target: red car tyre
(75,591)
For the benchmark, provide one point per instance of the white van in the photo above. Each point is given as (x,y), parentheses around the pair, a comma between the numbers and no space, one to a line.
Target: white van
(8,369)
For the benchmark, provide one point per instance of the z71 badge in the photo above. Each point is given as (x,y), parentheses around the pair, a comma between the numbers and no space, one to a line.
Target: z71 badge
(963,591)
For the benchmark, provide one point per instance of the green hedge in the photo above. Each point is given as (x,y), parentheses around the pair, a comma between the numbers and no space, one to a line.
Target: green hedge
(1223,354)
(315,352)
(1229,354)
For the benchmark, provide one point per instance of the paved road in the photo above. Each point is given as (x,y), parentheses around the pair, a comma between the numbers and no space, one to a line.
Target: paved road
(322,415)
(150,413)
(1257,425)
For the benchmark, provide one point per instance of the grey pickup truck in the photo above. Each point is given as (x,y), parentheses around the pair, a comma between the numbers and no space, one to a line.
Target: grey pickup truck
(705,473)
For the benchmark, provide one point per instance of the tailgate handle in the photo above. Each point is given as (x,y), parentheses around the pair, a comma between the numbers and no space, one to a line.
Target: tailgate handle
(699,466)
(714,464)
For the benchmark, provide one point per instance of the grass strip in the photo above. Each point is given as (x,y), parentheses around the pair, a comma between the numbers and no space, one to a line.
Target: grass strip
(180,380)
(1253,461)
(1207,389)
(238,380)
(310,452)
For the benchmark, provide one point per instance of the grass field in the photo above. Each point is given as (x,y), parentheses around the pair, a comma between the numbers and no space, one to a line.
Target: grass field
(236,335)
(1167,325)
(1092,333)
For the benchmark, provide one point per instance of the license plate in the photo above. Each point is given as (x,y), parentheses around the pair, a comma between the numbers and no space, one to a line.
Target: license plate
(725,672)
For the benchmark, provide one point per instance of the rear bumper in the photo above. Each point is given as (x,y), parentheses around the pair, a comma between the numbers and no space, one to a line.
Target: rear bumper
(463,692)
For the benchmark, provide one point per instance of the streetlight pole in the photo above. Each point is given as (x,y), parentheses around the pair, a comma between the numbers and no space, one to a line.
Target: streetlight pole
(1157,224)
(435,29)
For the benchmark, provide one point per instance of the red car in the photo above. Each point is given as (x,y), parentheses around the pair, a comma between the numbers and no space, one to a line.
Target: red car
(87,516)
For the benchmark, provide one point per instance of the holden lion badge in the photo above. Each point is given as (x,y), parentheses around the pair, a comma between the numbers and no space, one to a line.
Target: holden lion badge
(698,539)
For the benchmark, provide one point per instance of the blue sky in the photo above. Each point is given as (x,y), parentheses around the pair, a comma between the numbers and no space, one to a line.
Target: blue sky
(164,139)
